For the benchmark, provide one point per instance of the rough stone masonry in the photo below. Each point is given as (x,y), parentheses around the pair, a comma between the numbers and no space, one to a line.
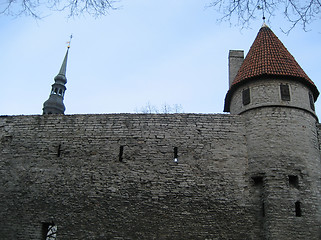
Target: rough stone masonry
(252,174)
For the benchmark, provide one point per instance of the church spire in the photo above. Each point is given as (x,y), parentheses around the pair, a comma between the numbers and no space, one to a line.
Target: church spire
(55,105)
(62,73)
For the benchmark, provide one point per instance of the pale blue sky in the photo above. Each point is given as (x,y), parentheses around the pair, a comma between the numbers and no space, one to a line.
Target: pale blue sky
(160,52)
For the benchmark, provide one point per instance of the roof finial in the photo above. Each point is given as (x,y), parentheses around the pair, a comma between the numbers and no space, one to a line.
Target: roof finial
(263,13)
(69,41)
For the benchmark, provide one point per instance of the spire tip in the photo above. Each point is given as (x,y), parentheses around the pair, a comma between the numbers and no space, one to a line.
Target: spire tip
(68,46)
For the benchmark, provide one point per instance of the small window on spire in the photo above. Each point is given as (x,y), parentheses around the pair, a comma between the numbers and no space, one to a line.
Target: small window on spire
(246,96)
(285,92)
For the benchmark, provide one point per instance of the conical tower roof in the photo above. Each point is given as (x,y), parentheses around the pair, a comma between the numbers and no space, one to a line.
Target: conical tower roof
(268,57)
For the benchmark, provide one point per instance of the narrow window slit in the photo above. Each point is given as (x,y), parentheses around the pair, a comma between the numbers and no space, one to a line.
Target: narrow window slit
(175,154)
(121,152)
(298,211)
(59,151)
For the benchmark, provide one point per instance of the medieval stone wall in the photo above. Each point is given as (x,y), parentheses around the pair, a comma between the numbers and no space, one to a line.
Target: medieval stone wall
(68,170)
(115,177)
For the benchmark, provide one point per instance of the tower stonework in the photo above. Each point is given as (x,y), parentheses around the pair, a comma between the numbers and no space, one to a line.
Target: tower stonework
(252,174)
(276,98)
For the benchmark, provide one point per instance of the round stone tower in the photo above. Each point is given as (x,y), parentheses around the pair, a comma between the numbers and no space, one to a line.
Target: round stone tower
(276,99)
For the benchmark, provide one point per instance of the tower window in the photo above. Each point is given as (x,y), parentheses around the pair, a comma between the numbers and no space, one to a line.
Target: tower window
(298,211)
(294,181)
(311,101)
(246,96)
(285,92)
(258,180)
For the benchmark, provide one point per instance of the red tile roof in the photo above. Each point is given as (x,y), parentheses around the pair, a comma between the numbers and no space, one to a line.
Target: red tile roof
(268,57)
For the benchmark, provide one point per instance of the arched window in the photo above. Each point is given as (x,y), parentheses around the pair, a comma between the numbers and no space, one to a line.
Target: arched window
(49,231)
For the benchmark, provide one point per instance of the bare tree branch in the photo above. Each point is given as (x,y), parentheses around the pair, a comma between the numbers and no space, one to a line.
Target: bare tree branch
(296,12)
(241,12)
(74,7)
(165,108)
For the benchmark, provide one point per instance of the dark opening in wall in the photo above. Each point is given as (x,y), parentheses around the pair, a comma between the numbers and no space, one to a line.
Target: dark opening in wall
(285,92)
(311,99)
(246,96)
(258,194)
(257,180)
(49,231)
(298,211)
(294,181)
(121,153)
(175,154)
(59,151)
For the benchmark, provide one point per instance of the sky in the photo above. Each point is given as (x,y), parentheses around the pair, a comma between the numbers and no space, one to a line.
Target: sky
(146,52)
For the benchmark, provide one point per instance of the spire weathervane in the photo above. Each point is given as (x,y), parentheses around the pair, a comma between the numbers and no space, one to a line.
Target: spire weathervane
(68,46)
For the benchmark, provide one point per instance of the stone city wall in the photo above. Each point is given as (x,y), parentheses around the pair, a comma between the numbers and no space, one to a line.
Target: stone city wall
(115,176)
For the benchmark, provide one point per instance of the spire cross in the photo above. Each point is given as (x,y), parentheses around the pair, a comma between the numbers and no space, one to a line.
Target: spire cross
(69,41)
